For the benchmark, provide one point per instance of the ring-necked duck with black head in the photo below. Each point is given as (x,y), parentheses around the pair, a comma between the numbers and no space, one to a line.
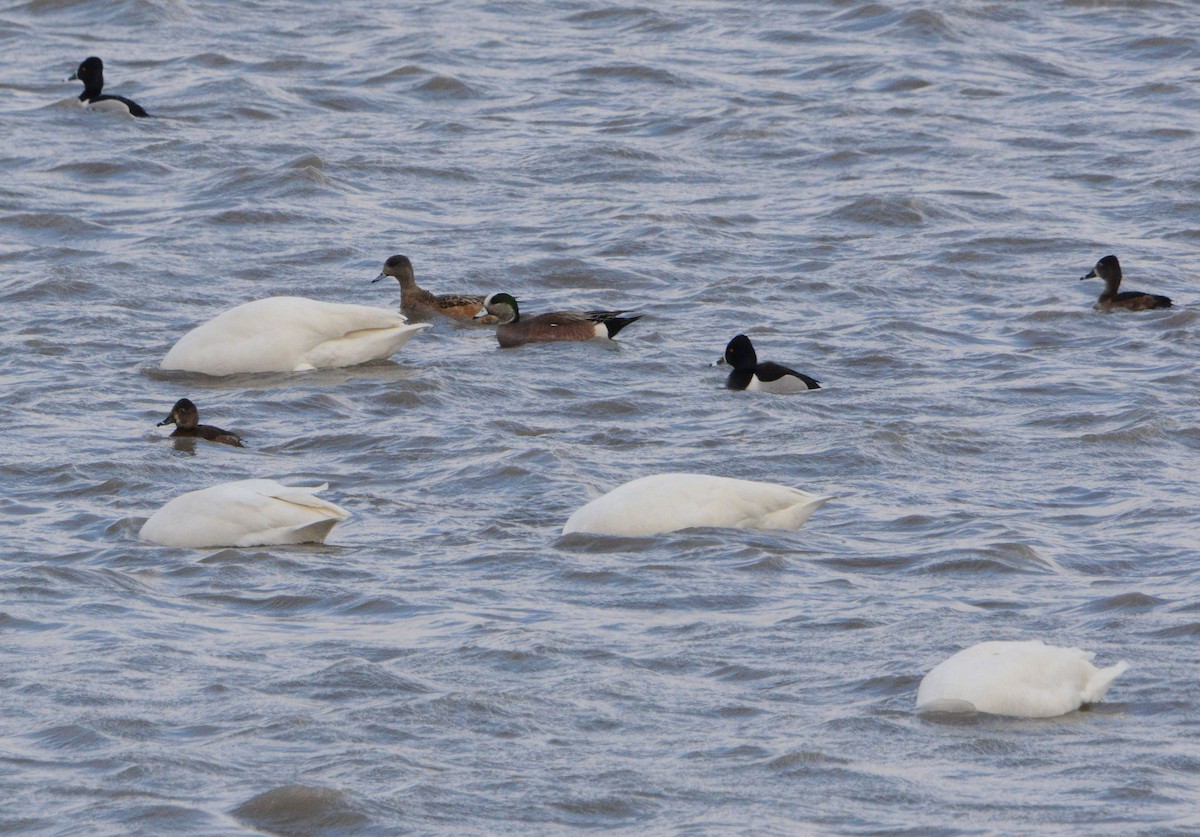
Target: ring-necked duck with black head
(186,419)
(1109,269)
(552,327)
(749,374)
(91,73)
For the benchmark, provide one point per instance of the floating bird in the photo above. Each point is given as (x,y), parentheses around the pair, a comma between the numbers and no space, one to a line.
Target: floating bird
(1022,679)
(556,326)
(244,513)
(1109,269)
(749,374)
(415,301)
(290,334)
(668,502)
(186,419)
(91,73)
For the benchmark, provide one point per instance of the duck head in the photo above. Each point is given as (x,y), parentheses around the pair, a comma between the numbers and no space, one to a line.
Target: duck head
(501,306)
(184,414)
(399,268)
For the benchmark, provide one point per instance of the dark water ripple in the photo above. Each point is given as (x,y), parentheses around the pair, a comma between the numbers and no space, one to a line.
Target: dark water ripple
(897,200)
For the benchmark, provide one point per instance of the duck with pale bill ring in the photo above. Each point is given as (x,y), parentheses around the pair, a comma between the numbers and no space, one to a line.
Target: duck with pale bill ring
(1109,269)
(91,73)
(750,375)
(186,419)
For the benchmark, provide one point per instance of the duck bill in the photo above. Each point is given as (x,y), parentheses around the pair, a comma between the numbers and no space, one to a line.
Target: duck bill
(483,312)
(1091,275)
(377,278)
(73,77)
(167,420)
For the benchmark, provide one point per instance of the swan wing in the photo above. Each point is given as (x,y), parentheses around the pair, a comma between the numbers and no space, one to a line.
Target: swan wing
(285,334)
(243,513)
(669,502)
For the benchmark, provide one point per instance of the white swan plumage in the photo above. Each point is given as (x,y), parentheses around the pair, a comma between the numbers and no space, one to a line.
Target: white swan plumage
(290,334)
(244,513)
(1027,679)
(668,502)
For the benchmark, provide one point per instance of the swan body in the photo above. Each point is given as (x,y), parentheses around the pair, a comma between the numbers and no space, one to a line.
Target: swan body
(1023,679)
(244,513)
(290,334)
(668,502)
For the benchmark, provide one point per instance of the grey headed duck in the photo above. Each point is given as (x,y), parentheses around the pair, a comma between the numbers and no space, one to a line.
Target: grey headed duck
(415,301)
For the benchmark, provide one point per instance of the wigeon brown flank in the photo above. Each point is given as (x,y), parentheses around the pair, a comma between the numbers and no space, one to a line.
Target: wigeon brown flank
(1109,269)
(415,301)
(186,419)
(552,327)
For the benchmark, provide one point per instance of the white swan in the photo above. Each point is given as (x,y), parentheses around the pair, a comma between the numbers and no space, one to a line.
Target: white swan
(244,513)
(667,502)
(290,334)
(1023,679)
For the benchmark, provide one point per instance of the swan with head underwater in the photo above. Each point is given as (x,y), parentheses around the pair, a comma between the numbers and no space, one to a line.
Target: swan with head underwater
(290,334)
(91,73)
(1020,679)
(186,419)
(553,327)
(750,375)
(256,512)
(663,503)
(1109,269)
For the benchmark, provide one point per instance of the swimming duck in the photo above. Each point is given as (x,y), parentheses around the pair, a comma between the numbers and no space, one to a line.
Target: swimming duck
(1109,269)
(290,334)
(668,502)
(1022,679)
(749,374)
(555,326)
(415,301)
(186,419)
(91,73)
(244,513)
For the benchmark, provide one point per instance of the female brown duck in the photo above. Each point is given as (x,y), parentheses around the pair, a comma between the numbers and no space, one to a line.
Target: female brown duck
(186,419)
(417,302)
(1109,269)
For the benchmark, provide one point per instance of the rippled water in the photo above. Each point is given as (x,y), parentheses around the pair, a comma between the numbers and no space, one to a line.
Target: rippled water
(895,198)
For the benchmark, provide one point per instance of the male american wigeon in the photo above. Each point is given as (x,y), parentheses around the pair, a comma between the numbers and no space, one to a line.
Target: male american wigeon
(749,374)
(552,327)
(186,419)
(417,302)
(1109,269)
